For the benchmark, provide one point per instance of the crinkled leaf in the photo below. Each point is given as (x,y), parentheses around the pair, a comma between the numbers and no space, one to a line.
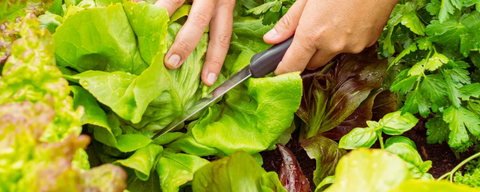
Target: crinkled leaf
(254,115)
(100,45)
(326,153)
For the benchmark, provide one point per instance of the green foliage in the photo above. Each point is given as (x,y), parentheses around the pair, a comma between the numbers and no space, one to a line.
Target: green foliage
(470,175)
(436,43)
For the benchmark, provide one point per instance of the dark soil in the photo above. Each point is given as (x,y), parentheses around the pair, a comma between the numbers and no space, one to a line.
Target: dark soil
(442,157)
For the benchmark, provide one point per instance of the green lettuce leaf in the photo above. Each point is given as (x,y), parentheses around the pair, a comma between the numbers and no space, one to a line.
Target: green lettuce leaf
(176,169)
(369,170)
(250,120)
(237,172)
(143,160)
(431,186)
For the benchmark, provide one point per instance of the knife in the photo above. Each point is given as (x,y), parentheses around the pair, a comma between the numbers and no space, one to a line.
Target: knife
(261,65)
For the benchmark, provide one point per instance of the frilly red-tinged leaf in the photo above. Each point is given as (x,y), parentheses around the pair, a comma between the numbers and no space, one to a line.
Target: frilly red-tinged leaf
(374,108)
(25,119)
(326,153)
(338,89)
(291,175)
(30,74)
(106,177)
(12,9)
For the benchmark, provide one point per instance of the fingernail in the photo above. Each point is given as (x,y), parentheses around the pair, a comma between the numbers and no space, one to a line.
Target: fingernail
(174,60)
(272,34)
(211,78)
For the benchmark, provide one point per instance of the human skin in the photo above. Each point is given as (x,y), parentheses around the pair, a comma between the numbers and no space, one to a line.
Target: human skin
(322,29)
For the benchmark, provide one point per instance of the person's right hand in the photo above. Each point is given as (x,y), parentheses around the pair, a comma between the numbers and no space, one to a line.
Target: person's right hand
(325,28)
(217,13)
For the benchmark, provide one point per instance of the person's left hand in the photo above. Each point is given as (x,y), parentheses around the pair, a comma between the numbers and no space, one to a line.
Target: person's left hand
(219,13)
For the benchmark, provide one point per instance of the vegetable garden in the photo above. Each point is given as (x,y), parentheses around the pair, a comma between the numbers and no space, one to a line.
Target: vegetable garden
(83,89)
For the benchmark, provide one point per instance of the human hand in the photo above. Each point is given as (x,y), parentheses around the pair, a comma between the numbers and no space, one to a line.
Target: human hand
(219,13)
(325,28)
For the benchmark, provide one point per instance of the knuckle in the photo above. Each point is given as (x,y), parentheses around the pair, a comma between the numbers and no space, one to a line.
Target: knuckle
(200,20)
(285,22)
(216,62)
(183,45)
(313,36)
(175,3)
(229,3)
(224,41)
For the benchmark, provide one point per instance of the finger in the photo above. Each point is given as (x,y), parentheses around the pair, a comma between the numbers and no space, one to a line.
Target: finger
(170,5)
(220,34)
(190,34)
(297,56)
(319,59)
(286,25)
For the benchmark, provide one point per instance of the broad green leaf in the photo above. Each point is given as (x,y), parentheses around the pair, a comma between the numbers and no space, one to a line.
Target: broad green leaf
(459,120)
(237,172)
(176,169)
(143,160)
(326,153)
(357,138)
(254,115)
(148,23)
(129,95)
(431,186)
(371,170)
(188,144)
(99,45)
(400,139)
(397,123)
(410,155)
(93,114)
(168,138)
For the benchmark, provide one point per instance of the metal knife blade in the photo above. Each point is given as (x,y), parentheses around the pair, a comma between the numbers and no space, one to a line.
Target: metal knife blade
(261,64)
(229,84)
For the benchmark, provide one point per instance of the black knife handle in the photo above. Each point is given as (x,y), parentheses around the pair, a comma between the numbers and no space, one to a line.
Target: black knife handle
(266,62)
